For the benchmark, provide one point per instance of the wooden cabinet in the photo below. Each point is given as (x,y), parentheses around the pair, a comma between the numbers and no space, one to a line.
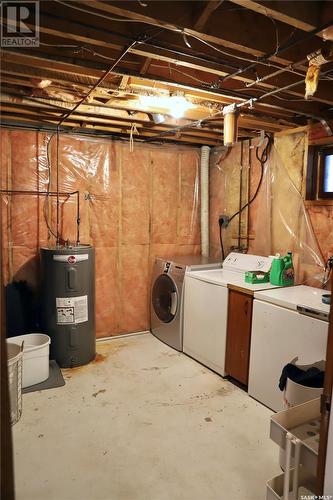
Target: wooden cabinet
(238,335)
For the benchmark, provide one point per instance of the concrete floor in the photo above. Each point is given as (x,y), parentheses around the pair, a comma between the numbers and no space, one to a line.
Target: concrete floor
(143,422)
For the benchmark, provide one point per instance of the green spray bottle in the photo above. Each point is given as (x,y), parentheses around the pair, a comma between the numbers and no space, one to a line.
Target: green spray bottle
(282,270)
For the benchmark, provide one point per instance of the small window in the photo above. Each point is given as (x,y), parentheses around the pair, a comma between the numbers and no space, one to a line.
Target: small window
(320,173)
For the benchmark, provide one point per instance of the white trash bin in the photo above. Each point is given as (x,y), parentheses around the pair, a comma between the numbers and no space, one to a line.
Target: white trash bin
(295,394)
(36,352)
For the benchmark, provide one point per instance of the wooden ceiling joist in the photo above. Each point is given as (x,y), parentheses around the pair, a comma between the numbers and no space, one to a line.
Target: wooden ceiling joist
(205,14)
(206,50)
(230,38)
(52,64)
(297,14)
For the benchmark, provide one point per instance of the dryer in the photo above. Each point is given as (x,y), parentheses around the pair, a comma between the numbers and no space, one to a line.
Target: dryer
(167,293)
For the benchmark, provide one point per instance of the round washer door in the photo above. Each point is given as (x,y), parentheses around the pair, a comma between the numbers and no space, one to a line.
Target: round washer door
(165,298)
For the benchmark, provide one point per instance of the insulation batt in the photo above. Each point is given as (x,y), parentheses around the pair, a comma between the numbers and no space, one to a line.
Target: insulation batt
(134,207)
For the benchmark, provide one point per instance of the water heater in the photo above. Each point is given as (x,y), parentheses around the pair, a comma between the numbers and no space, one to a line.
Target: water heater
(68,303)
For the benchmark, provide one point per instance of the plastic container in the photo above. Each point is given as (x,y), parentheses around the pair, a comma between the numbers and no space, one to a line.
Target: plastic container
(36,351)
(303,422)
(306,486)
(282,271)
(296,394)
(14,362)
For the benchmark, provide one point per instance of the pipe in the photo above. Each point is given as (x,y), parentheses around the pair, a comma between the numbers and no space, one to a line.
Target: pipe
(204,198)
(289,68)
(240,195)
(248,194)
(282,49)
(97,84)
(58,200)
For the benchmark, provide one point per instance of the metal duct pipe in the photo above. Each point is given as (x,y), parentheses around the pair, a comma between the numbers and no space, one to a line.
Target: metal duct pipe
(204,198)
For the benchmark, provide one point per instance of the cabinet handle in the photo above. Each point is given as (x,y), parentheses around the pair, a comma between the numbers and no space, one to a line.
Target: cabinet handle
(246,307)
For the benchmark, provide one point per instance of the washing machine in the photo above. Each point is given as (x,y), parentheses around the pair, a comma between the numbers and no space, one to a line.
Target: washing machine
(167,296)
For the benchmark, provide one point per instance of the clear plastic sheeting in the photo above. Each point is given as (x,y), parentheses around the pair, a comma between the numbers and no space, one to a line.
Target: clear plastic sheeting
(134,206)
(282,224)
(277,221)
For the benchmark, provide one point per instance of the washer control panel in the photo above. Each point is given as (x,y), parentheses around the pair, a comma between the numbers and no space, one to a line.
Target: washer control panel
(167,267)
(174,269)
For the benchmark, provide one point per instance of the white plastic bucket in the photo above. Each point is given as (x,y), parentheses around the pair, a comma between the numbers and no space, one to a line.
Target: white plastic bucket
(14,363)
(296,394)
(36,352)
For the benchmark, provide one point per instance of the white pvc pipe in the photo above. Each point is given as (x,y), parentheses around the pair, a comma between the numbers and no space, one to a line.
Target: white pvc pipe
(204,191)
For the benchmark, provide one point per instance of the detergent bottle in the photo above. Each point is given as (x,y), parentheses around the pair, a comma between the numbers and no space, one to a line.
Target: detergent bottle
(282,270)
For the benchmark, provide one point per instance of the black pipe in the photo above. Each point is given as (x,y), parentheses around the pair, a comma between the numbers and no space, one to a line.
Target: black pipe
(283,48)
(98,83)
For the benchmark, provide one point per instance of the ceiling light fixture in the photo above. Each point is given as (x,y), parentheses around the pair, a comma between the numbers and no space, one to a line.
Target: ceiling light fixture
(175,105)
(179,105)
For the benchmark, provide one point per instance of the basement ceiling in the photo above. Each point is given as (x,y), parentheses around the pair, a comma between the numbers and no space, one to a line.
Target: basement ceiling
(105,67)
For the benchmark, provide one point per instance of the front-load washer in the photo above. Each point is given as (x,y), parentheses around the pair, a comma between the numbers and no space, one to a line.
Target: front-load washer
(167,296)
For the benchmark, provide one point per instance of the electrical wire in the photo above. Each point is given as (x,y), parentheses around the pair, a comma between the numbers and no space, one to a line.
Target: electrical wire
(184,34)
(217,49)
(86,11)
(156,30)
(221,243)
(46,199)
(176,70)
(262,160)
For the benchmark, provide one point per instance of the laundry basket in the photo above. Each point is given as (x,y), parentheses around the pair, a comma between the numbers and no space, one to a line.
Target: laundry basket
(14,361)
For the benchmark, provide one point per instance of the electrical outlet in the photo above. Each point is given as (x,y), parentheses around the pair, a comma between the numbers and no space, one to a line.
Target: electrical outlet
(223,220)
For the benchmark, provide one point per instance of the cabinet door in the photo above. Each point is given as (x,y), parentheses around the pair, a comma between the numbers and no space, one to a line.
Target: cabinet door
(238,335)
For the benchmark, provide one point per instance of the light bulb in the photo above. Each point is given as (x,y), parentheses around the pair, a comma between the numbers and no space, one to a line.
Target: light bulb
(179,105)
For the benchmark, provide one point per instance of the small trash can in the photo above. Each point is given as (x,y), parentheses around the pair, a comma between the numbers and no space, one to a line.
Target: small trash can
(14,362)
(36,351)
(296,393)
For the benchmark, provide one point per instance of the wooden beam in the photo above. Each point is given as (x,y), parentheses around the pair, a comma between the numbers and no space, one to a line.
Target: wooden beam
(291,131)
(140,119)
(145,66)
(124,82)
(72,126)
(225,42)
(96,37)
(44,63)
(285,12)
(205,14)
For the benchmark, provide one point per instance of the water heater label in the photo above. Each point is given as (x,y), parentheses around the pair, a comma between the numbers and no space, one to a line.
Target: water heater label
(72,310)
(71,259)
